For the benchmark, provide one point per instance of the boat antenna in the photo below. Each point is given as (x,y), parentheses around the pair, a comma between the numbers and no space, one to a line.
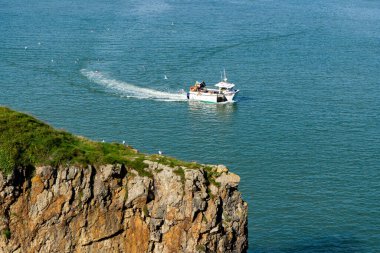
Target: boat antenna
(225,76)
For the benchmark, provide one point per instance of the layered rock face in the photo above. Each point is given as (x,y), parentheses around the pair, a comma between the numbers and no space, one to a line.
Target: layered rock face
(114,209)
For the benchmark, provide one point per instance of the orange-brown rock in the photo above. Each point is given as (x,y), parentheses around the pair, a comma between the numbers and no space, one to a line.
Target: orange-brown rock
(114,209)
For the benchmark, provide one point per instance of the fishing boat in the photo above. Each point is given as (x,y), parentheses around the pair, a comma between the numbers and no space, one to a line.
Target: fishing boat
(225,91)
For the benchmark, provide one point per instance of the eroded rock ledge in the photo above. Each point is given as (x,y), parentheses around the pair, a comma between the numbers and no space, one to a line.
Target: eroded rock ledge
(114,209)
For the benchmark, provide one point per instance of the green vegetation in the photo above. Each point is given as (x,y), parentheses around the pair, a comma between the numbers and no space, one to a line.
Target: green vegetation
(139,165)
(204,219)
(226,218)
(7,233)
(27,142)
(210,193)
(173,162)
(211,175)
(201,248)
(80,195)
(145,210)
(180,172)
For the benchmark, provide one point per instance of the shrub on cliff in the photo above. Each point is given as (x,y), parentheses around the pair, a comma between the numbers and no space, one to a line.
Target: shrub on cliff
(26,142)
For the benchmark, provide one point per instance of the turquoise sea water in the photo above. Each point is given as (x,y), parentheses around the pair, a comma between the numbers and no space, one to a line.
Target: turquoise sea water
(304,135)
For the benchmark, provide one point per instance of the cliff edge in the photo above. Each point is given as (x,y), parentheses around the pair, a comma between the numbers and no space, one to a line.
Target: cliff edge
(64,193)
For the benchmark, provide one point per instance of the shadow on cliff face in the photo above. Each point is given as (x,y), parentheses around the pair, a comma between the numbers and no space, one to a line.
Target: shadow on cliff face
(22,174)
(331,244)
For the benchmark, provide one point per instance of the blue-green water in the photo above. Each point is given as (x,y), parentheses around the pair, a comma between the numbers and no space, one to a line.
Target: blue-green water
(304,135)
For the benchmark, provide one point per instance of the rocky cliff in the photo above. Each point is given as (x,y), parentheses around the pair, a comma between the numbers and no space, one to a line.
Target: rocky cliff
(114,209)
(139,203)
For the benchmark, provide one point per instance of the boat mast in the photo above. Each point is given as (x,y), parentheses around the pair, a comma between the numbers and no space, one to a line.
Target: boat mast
(225,76)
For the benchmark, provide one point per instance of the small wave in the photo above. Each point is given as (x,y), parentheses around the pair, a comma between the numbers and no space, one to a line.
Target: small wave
(130,90)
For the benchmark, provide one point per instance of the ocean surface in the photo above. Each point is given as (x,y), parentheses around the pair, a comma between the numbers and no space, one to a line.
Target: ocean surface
(304,134)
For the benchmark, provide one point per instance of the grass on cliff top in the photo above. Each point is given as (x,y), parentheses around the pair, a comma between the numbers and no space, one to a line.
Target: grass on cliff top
(27,142)
(173,162)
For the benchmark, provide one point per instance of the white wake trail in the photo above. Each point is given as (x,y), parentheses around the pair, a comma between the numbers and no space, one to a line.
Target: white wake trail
(131,90)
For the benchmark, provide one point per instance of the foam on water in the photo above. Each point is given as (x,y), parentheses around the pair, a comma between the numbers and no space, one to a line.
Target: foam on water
(131,90)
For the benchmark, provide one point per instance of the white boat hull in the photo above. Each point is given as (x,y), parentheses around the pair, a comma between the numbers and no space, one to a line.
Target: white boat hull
(211,97)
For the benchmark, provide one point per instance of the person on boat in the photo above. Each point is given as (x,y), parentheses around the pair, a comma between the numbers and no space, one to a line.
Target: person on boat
(202,87)
(198,86)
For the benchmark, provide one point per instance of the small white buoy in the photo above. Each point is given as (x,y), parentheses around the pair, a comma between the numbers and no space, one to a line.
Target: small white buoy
(52,60)
(165,77)
(26,48)
(159,152)
(123,142)
(39,43)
